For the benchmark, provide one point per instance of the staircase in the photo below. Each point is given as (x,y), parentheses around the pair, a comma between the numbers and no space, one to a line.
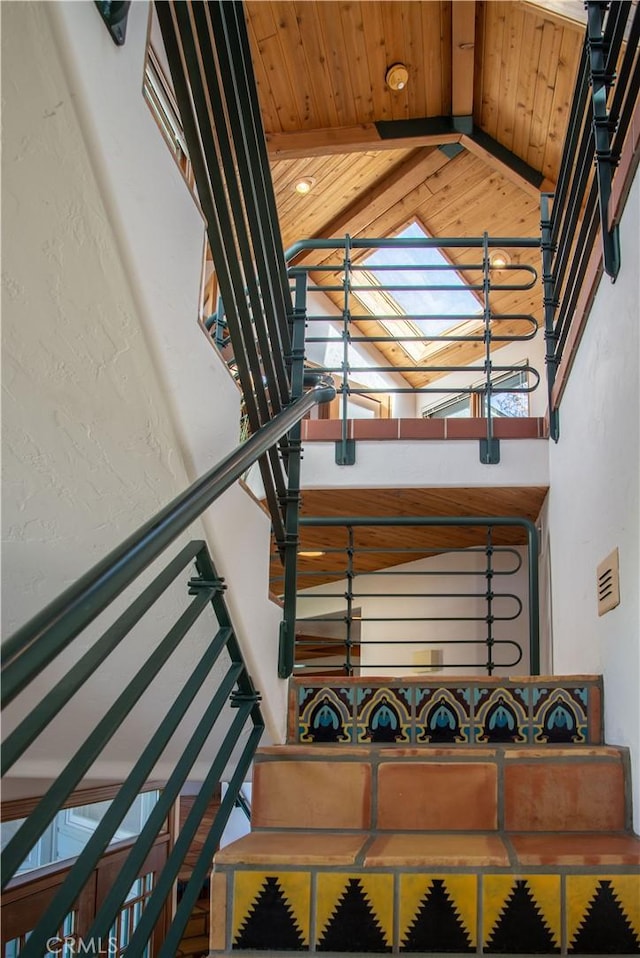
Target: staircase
(467,816)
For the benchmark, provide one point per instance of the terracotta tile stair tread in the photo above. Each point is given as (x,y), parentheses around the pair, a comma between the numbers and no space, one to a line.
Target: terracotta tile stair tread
(587,848)
(519,753)
(413,849)
(462,849)
(293,848)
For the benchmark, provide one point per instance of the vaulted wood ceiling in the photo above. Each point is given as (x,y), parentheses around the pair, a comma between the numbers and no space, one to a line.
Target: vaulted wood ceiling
(320,68)
(465,147)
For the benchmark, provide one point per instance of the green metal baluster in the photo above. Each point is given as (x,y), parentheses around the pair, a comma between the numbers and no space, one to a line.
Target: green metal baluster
(550,305)
(489,447)
(286,655)
(345,447)
(349,595)
(601,80)
(489,600)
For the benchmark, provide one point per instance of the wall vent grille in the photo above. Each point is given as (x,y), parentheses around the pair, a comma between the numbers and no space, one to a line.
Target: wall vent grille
(608,583)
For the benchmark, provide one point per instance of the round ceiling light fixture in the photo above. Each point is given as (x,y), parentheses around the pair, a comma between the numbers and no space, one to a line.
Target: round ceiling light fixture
(499,259)
(304,185)
(397,77)
(310,554)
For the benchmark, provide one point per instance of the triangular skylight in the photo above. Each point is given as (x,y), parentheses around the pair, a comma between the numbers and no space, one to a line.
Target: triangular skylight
(449,301)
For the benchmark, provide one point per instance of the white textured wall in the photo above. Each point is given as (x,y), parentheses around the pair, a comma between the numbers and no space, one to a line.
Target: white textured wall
(113,400)
(451,462)
(594,499)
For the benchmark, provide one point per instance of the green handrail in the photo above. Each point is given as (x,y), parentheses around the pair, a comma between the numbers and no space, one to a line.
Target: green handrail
(34,645)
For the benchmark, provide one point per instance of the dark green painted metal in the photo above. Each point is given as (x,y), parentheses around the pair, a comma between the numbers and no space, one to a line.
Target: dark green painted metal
(202,865)
(114,14)
(245,684)
(463,124)
(89,857)
(448,242)
(451,149)
(260,155)
(288,627)
(550,304)
(489,599)
(44,711)
(419,126)
(572,138)
(489,522)
(245,189)
(40,640)
(441,369)
(203,862)
(219,215)
(601,80)
(238,261)
(345,455)
(515,163)
(346,448)
(28,834)
(117,894)
(489,447)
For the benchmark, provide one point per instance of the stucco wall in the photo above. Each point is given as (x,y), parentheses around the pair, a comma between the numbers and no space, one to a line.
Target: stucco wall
(594,499)
(113,400)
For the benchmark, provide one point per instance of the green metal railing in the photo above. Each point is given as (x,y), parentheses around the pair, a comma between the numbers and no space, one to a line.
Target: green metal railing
(358,575)
(207,49)
(30,650)
(485,329)
(604,101)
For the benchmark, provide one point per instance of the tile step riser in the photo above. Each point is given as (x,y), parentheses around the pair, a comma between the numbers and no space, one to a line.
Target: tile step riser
(430,911)
(558,795)
(465,712)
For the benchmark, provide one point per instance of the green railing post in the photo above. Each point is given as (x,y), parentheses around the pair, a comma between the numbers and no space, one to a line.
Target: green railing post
(550,304)
(489,600)
(489,447)
(345,447)
(601,81)
(349,596)
(286,652)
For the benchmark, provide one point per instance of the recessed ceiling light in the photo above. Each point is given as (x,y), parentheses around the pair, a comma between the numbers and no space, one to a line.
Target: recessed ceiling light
(499,258)
(310,554)
(397,77)
(304,185)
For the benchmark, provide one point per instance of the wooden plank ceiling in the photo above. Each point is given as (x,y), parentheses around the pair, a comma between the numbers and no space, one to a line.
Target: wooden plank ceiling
(524,502)
(498,75)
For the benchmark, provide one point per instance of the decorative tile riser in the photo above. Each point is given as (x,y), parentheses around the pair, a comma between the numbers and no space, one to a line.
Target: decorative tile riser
(433,790)
(463,712)
(430,912)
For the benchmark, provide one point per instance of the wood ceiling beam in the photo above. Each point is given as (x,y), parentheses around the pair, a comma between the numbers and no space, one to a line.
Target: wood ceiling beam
(463,29)
(356,139)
